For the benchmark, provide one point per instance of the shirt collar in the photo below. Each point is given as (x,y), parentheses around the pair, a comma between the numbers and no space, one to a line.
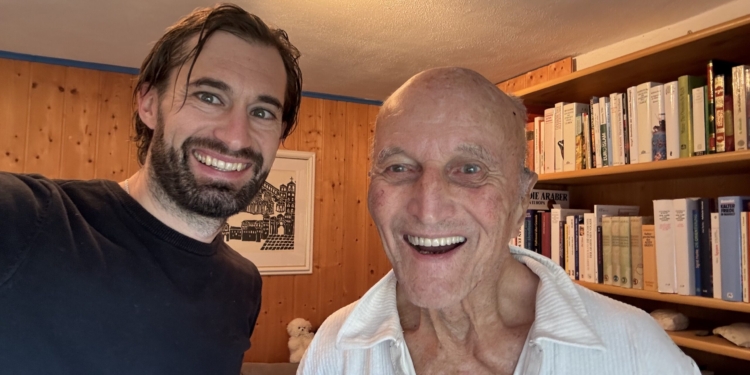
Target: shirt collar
(561,315)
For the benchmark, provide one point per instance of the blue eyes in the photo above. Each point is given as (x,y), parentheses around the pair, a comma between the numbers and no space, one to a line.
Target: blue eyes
(470,169)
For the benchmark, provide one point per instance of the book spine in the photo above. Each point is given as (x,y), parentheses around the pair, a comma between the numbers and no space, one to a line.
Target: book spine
(644,121)
(580,110)
(698,282)
(731,257)
(586,147)
(648,235)
(606,131)
(558,120)
(594,146)
(686,117)
(665,256)
(607,249)
(625,253)
(599,255)
(632,124)
(719,123)
(625,129)
(700,137)
(710,110)
(615,257)
(537,232)
(589,223)
(672,119)
(716,255)
(528,230)
(615,101)
(636,251)
(561,245)
(549,140)
(729,136)
(743,237)
(570,256)
(576,252)
(658,125)
(704,248)
(683,245)
(538,121)
(569,137)
(546,233)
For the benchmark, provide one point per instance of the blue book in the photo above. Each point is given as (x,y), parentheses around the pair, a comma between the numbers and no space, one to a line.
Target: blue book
(730,240)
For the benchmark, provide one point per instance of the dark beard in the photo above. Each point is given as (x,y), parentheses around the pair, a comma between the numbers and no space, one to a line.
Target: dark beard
(171,171)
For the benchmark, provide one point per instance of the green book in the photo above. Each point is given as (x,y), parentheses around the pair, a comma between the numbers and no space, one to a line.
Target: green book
(685,86)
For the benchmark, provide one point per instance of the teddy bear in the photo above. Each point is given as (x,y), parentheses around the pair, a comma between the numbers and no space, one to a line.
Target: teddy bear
(300,336)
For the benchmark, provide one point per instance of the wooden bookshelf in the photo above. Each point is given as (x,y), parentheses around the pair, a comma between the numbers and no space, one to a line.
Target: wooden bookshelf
(711,344)
(661,63)
(734,162)
(711,303)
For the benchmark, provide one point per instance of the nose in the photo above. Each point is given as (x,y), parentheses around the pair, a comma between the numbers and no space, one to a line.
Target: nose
(432,198)
(234,129)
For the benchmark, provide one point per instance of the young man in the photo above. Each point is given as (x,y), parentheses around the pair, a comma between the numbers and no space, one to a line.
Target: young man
(448,189)
(97,277)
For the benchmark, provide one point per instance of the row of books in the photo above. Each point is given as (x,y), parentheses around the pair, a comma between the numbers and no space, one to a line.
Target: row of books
(688,248)
(691,116)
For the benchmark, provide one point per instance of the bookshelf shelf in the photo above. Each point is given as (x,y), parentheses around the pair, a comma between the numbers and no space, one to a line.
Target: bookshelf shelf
(711,303)
(661,63)
(735,162)
(711,344)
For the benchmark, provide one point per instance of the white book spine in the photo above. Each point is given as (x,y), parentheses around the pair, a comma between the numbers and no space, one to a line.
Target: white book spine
(656,118)
(672,119)
(699,120)
(549,140)
(740,107)
(558,120)
(538,153)
(570,254)
(569,137)
(743,231)
(607,249)
(596,123)
(615,118)
(644,128)
(684,248)
(592,273)
(716,254)
(586,120)
(633,123)
(665,257)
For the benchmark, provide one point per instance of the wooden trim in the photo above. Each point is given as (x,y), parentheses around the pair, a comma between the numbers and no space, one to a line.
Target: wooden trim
(707,302)
(711,344)
(733,162)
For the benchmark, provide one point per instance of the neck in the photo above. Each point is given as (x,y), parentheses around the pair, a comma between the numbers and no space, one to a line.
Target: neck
(150,195)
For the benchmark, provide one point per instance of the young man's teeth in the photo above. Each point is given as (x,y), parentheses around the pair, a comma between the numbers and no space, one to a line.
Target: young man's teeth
(220,164)
(434,242)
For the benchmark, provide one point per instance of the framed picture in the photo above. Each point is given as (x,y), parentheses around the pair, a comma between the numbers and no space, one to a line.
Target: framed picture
(275,231)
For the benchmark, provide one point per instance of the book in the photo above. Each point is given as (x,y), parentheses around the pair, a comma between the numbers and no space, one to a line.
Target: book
(596,159)
(665,255)
(713,68)
(685,86)
(581,249)
(703,256)
(528,230)
(558,215)
(658,125)
(723,105)
(615,117)
(684,248)
(605,132)
(743,236)
(529,160)
(571,263)
(672,119)
(632,124)
(645,129)
(541,199)
(636,249)
(549,140)
(585,147)
(546,234)
(625,253)
(538,151)
(558,120)
(740,106)
(589,225)
(648,235)
(573,137)
(607,249)
(625,129)
(614,257)
(730,208)
(604,256)
(700,135)
(716,255)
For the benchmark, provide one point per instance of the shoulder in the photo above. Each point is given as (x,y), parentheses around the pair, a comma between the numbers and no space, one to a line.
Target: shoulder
(632,334)
(240,269)
(322,356)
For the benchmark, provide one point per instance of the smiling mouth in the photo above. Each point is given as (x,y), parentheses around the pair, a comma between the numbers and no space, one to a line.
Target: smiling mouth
(435,246)
(218,164)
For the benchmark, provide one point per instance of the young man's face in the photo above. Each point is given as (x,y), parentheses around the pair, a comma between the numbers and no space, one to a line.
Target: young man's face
(216,138)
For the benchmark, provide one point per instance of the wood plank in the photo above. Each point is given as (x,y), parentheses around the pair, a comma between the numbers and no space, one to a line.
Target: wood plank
(537,76)
(377,262)
(14,113)
(516,84)
(114,124)
(269,341)
(558,69)
(44,133)
(712,303)
(80,129)
(711,344)
(661,63)
(355,203)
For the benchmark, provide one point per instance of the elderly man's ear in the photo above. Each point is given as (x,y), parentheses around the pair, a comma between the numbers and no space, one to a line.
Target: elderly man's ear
(529,179)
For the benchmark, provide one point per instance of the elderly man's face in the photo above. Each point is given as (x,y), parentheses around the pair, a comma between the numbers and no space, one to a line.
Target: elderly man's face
(444,193)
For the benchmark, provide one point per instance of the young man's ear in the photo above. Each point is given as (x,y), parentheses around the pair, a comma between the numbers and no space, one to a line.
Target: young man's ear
(148,105)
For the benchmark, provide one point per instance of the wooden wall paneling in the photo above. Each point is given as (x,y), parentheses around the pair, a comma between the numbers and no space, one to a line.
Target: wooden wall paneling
(133,164)
(115,124)
(355,203)
(537,76)
(46,100)
(377,261)
(14,113)
(80,130)
(516,83)
(330,294)
(560,68)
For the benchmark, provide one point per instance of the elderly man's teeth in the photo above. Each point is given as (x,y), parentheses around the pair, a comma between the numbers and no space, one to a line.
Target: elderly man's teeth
(434,242)
(219,164)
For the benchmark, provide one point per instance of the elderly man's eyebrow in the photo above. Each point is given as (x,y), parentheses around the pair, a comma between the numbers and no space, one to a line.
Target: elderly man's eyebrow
(477,151)
(387,153)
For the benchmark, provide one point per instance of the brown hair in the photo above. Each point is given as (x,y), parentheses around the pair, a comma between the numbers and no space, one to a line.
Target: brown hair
(169,53)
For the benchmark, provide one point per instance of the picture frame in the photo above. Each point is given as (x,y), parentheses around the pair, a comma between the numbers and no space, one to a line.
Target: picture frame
(275,231)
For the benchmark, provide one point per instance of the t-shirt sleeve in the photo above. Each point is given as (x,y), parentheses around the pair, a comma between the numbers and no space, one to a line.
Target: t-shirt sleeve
(24,201)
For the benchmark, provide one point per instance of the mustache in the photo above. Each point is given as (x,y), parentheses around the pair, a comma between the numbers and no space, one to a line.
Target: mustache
(247,153)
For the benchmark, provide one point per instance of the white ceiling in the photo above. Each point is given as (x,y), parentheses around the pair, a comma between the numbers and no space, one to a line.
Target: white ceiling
(358,48)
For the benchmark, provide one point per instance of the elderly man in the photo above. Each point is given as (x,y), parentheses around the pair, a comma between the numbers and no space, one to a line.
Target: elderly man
(448,190)
(101,278)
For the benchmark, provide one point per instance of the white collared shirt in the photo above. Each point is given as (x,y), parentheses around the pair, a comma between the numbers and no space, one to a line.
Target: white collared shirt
(576,331)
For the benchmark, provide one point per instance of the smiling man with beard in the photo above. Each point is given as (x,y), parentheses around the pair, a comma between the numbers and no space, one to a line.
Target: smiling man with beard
(98,277)
(448,190)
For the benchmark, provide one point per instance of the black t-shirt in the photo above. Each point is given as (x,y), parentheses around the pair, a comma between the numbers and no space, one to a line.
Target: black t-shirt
(91,283)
